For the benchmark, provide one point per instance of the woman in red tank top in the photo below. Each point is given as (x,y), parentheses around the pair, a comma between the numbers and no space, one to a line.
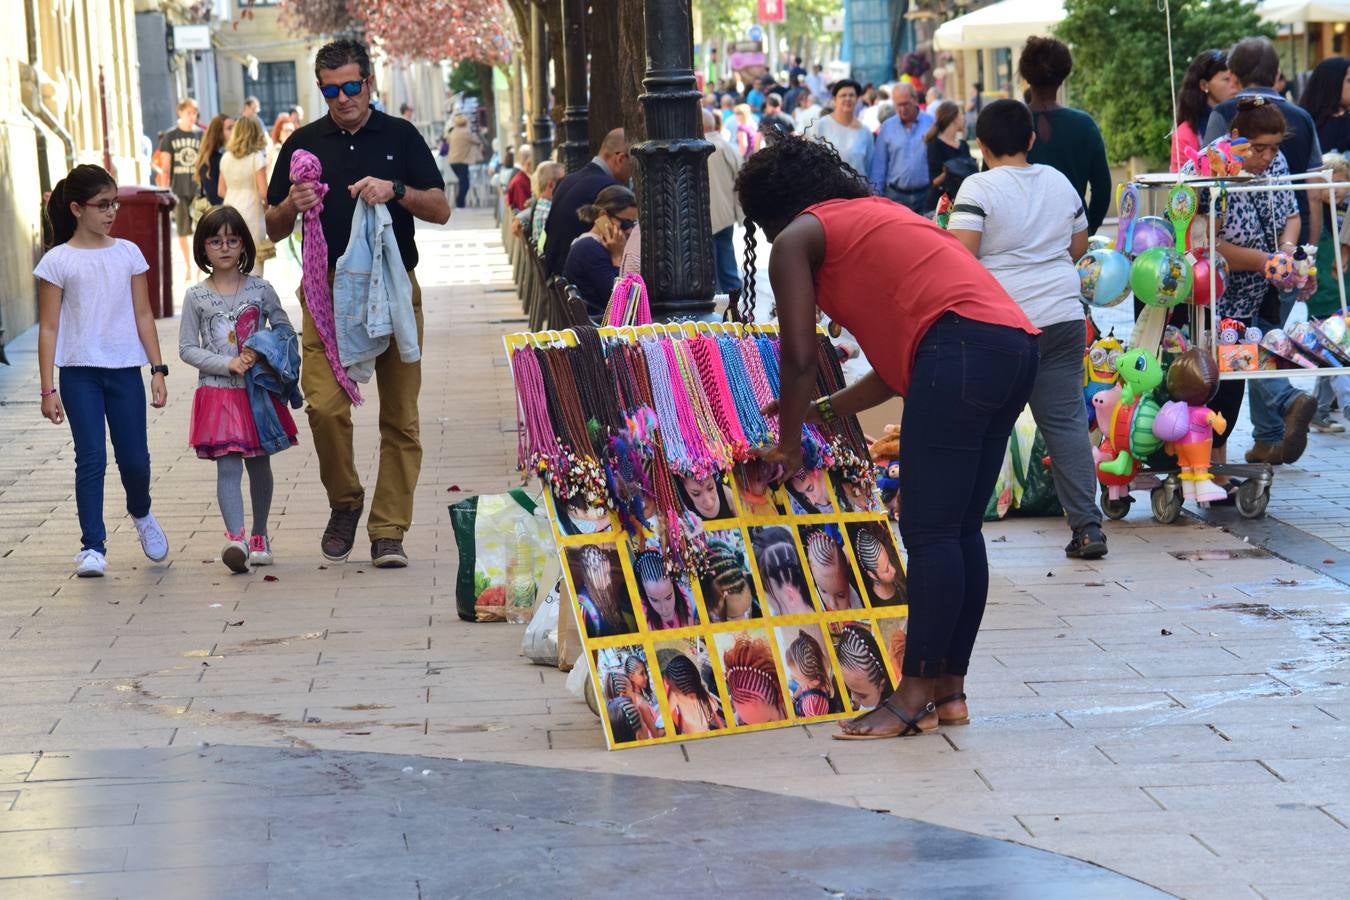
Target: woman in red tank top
(937,329)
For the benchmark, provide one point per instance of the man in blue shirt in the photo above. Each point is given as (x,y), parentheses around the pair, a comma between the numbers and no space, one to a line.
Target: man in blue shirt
(900,162)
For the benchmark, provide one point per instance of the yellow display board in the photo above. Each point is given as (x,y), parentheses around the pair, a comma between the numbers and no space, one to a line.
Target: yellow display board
(797,613)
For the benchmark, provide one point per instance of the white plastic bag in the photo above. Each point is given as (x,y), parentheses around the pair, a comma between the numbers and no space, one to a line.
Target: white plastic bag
(540,644)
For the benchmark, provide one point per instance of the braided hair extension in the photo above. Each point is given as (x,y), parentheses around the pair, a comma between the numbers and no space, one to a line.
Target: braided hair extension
(589,364)
(846,433)
(808,656)
(858,650)
(683,676)
(624,720)
(747,307)
(650,569)
(751,675)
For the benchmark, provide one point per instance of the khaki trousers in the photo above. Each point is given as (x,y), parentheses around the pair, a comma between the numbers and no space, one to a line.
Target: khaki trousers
(330,419)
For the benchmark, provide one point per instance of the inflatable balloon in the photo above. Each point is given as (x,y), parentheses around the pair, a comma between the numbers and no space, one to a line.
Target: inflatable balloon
(1161,276)
(1200,269)
(1193,378)
(1150,232)
(1104,277)
(1101,242)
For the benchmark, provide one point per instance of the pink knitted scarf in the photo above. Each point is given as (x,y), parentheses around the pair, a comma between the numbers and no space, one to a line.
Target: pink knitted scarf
(305,167)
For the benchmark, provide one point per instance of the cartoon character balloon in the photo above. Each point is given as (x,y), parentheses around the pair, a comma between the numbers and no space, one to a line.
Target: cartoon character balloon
(1150,232)
(1104,277)
(1161,277)
(1131,423)
(1187,426)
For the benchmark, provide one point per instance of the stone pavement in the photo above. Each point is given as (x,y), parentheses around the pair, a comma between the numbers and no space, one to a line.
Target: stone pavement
(1175,712)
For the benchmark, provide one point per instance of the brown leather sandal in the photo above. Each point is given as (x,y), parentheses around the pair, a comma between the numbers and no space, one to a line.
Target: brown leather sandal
(955,720)
(912,726)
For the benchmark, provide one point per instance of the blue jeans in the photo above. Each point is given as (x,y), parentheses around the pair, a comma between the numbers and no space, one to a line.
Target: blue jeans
(724,256)
(91,395)
(970,382)
(1271,396)
(916,200)
(461,171)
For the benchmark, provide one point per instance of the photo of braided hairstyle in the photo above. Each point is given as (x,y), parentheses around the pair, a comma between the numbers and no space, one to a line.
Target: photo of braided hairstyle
(683,677)
(872,546)
(650,569)
(751,675)
(598,578)
(858,651)
(631,664)
(808,657)
(724,570)
(779,563)
(823,549)
(624,721)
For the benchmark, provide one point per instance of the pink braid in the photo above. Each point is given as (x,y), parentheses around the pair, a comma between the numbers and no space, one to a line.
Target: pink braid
(700,460)
(618,302)
(708,362)
(305,167)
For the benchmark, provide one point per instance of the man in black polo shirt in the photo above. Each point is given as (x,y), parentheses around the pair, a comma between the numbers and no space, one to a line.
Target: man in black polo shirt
(382,159)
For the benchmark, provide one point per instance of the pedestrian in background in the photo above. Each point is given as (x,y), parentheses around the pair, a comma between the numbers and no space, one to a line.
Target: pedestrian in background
(1207,83)
(178,149)
(219,316)
(96,326)
(593,258)
(1066,139)
(379,159)
(612,165)
(900,163)
(946,140)
(207,171)
(1026,225)
(806,113)
(243,183)
(842,130)
(724,164)
(466,148)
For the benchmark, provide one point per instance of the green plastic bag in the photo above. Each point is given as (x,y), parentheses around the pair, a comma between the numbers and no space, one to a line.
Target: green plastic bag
(506,552)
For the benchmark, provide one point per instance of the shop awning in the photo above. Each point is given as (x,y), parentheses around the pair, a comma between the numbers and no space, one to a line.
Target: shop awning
(1298,12)
(1005,24)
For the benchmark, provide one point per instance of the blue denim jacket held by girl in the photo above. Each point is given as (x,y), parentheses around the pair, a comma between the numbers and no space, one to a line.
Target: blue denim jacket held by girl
(372,295)
(278,373)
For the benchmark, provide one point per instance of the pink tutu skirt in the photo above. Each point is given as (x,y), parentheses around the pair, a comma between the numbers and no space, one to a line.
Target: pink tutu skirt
(222,422)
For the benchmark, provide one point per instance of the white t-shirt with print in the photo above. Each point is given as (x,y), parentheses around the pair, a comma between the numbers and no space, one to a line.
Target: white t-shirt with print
(1027,217)
(98,318)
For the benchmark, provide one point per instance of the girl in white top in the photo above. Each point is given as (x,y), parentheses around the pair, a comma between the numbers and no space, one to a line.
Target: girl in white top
(243,177)
(95,324)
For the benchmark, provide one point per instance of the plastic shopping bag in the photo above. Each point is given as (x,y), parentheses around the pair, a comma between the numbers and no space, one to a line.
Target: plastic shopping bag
(506,552)
(540,644)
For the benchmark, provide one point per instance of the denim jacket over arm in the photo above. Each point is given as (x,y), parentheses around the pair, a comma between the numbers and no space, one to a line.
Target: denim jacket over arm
(277,374)
(372,295)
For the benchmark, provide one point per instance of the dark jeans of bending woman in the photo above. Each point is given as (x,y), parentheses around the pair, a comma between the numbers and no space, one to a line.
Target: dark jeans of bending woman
(969,384)
(461,171)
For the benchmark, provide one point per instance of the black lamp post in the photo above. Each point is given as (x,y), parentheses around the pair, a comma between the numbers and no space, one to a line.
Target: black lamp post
(673,192)
(576,146)
(542,130)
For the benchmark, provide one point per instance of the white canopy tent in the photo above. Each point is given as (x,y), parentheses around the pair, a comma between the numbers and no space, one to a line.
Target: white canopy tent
(1301,12)
(1005,24)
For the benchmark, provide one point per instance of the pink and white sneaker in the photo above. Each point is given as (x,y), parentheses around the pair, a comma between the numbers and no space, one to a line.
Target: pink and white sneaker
(235,553)
(259,550)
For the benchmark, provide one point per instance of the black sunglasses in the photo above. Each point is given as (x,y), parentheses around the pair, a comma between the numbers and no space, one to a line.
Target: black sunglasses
(350,88)
(627,224)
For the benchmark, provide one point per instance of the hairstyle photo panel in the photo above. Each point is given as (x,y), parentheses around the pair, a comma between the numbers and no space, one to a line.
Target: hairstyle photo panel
(667,601)
(752,677)
(835,582)
(808,492)
(602,593)
(815,690)
(691,687)
(628,694)
(577,516)
(855,496)
(754,490)
(704,497)
(861,663)
(728,587)
(893,639)
(781,571)
(879,561)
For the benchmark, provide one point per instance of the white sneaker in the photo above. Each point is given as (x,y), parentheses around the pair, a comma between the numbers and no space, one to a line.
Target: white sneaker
(235,553)
(153,540)
(259,550)
(90,564)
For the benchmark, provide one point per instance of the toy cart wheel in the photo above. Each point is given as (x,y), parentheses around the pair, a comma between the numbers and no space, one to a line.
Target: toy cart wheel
(1252,499)
(1166,505)
(1115,509)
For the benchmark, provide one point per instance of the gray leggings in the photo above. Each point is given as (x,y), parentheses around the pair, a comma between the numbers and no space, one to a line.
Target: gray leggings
(1061,415)
(229,493)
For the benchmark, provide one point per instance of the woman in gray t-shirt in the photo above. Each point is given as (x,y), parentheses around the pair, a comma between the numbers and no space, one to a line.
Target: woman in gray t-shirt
(843,131)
